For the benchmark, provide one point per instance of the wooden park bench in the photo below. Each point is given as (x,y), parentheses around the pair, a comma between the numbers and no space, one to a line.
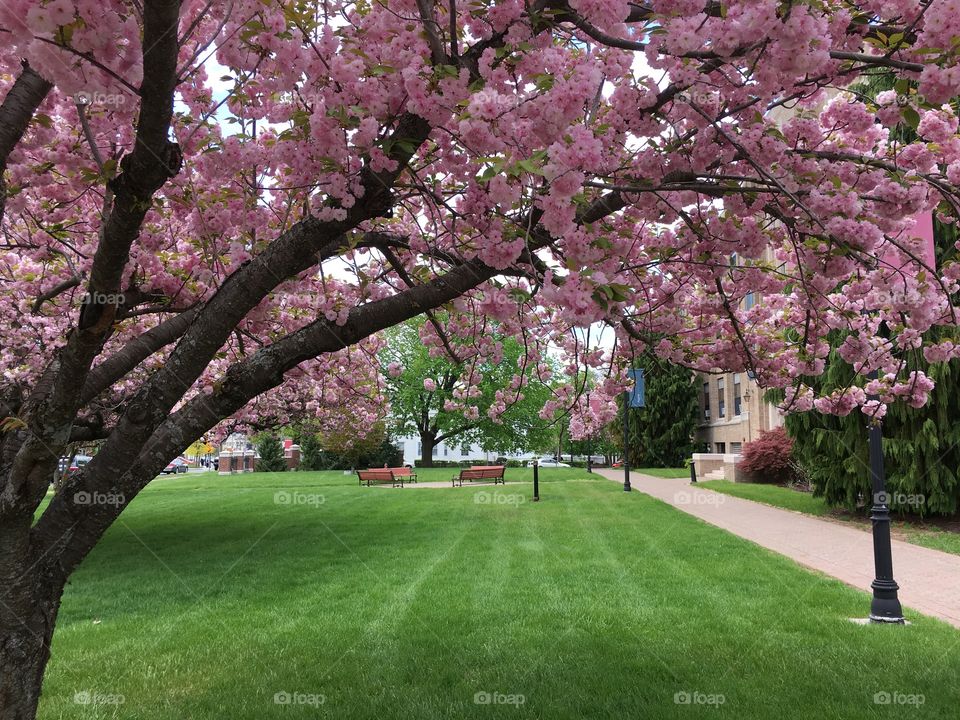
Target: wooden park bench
(381,475)
(404,472)
(481,472)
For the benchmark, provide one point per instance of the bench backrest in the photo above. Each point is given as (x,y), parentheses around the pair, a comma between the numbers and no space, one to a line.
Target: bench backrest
(482,472)
(401,471)
(375,474)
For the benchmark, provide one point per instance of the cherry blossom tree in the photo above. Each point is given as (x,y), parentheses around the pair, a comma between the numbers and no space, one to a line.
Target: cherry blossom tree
(210,210)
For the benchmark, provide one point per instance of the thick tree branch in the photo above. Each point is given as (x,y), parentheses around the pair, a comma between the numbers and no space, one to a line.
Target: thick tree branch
(52,407)
(456,431)
(639,46)
(16,112)
(133,353)
(53,292)
(18,108)
(432,29)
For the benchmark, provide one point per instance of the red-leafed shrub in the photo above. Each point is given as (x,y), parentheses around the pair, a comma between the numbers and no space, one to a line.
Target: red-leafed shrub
(768,458)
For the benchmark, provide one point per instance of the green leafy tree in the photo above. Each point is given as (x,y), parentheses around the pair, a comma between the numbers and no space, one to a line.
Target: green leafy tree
(271,455)
(421,411)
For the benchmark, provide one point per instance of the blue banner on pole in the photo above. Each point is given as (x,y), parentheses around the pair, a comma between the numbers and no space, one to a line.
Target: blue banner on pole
(638,394)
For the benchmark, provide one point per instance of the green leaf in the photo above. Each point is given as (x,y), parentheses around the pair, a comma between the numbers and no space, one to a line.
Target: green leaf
(910,116)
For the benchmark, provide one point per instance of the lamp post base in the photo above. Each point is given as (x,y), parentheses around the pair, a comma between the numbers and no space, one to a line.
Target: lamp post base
(887,621)
(885,607)
(871,621)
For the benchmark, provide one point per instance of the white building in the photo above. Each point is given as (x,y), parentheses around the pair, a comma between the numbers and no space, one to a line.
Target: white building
(451,451)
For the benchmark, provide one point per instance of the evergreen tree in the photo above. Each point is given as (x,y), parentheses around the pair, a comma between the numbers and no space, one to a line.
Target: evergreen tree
(661,433)
(310,452)
(921,447)
(271,455)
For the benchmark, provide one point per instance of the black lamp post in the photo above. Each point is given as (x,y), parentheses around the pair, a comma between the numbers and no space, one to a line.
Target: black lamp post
(536,481)
(885,606)
(626,440)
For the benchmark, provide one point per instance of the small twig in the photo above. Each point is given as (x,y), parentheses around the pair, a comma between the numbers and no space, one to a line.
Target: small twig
(88,134)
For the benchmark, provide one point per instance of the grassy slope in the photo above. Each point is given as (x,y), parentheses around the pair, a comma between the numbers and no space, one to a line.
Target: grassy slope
(208,597)
(664,472)
(915,531)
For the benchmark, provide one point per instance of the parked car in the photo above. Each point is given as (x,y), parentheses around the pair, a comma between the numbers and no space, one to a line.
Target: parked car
(71,465)
(175,466)
(551,462)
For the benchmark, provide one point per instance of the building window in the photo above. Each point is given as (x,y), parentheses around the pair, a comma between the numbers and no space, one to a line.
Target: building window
(737,396)
(446,451)
(419,449)
(436,450)
(749,300)
(706,401)
(721,399)
(722,448)
(735,448)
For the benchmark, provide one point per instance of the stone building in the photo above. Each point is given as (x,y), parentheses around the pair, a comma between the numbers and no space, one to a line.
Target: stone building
(732,412)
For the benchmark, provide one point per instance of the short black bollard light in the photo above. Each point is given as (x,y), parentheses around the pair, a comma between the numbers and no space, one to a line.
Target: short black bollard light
(536,481)
(693,473)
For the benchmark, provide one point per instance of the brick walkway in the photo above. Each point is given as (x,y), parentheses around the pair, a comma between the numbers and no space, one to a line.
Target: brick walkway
(929,579)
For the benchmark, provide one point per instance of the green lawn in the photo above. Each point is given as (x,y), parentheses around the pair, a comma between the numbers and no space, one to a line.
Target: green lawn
(215,597)
(664,472)
(928,534)
(777,495)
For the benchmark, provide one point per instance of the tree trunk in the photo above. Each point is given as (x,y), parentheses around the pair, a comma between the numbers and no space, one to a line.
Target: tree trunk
(28,614)
(427,443)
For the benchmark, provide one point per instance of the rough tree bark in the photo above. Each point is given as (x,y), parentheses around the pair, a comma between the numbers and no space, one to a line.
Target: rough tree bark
(28,613)
(428,440)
